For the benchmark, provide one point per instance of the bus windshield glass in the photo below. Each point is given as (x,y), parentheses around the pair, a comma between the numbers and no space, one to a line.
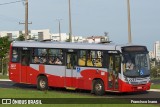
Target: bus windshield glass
(136,64)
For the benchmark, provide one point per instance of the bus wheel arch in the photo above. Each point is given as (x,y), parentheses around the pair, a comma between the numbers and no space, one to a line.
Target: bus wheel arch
(98,87)
(42,82)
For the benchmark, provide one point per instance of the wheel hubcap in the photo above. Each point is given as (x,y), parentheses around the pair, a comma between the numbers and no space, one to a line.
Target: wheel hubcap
(98,87)
(42,83)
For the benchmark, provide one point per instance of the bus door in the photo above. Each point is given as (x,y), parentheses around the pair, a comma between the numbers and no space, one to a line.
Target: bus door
(24,60)
(71,63)
(114,70)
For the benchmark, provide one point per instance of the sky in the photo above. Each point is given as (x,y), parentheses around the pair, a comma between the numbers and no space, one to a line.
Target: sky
(89,18)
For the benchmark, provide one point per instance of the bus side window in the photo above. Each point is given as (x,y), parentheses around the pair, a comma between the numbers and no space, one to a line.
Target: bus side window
(55,56)
(15,55)
(95,58)
(82,58)
(118,63)
(89,58)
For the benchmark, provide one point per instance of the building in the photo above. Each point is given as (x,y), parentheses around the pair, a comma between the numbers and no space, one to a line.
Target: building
(11,34)
(57,37)
(64,37)
(97,39)
(34,34)
(157,50)
(40,34)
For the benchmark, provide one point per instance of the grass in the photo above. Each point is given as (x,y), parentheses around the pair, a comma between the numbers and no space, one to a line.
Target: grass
(21,93)
(27,93)
(155,86)
(4,77)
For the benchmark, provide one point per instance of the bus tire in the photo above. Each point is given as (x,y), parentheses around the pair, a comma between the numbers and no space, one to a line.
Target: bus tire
(98,87)
(42,83)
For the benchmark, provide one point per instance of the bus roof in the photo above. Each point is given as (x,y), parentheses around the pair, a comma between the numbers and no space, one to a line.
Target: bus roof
(68,45)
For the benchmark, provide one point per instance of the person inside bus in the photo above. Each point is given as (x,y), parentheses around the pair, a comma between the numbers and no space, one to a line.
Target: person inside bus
(36,59)
(44,60)
(51,60)
(57,61)
(129,65)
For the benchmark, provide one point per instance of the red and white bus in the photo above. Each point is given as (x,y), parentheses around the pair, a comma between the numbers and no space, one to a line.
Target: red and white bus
(95,67)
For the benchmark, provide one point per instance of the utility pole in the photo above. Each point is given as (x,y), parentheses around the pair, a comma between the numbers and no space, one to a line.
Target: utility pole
(59,22)
(129,22)
(26,20)
(70,22)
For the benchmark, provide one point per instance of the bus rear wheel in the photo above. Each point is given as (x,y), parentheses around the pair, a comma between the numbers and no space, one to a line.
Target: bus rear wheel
(42,83)
(98,87)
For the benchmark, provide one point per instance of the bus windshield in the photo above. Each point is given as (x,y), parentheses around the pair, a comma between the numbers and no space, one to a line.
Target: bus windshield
(136,64)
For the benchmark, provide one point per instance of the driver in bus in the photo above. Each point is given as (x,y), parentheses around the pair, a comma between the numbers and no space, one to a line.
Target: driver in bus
(129,65)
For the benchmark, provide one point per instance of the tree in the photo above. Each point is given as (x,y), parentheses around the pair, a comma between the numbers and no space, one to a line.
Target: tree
(21,38)
(155,71)
(4,46)
(4,53)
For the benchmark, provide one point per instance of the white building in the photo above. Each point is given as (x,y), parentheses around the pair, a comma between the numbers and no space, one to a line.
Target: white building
(97,39)
(157,50)
(12,34)
(64,37)
(57,37)
(40,34)
(36,34)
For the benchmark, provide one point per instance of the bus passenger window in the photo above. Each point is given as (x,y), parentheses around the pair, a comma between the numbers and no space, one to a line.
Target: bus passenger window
(15,55)
(55,56)
(39,55)
(82,58)
(95,58)
(89,59)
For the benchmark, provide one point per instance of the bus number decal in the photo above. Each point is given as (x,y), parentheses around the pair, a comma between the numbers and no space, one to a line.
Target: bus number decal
(13,66)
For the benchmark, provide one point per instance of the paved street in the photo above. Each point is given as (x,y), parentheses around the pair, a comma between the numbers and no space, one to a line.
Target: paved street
(148,94)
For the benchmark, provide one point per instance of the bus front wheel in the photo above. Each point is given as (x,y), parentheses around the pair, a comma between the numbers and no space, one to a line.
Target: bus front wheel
(98,87)
(42,83)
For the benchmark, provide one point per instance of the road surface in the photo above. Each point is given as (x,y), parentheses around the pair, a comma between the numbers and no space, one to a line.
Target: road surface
(147,94)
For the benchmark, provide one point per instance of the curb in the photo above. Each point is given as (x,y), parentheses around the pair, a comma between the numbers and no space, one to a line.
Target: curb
(5,80)
(155,90)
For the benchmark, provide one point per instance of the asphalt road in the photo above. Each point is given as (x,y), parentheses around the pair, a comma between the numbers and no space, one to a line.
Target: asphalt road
(147,94)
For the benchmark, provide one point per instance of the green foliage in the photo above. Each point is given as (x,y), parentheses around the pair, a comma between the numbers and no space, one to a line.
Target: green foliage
(21,38)
(4,46)
(4,77)
(155,71)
